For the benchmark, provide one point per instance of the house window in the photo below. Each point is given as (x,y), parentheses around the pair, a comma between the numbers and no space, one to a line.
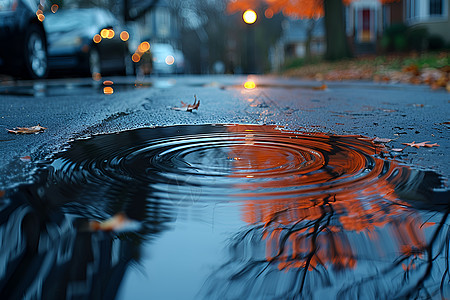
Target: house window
(423,10)
(436,7)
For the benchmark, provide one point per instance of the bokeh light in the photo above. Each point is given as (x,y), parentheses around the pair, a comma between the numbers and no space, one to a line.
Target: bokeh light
(249,16)
(54,8)
(144,47)
(170,59)
(110,33)
(136,57)
(249,85)
(268,13)
(104,33)
(124,36)
(97,38)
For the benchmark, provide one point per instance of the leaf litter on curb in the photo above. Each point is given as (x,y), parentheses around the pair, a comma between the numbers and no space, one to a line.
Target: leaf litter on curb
(188,107)
(27,130)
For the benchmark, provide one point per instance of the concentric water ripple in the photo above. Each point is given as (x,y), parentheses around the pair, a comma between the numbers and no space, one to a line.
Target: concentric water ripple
(227,163)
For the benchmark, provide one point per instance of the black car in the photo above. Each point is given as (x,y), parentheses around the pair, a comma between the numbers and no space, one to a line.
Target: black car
(87,41)
(23,44)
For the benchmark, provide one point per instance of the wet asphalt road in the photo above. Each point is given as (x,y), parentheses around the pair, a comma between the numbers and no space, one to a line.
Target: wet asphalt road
(77,108)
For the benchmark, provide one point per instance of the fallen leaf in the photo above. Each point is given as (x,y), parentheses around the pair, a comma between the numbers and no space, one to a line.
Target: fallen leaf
(188,107)
(118,223)
(27,130)
(381,140)
(320,88)
(2,193)
(26,158)
(398,149)
(423,144)
(375,140)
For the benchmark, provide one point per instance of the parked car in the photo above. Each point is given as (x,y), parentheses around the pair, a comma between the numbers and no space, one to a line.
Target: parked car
(163,56)
(23,42)
(88,41)
(179,62)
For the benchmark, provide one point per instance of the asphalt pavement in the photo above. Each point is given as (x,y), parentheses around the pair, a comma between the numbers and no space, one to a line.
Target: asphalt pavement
(78,108)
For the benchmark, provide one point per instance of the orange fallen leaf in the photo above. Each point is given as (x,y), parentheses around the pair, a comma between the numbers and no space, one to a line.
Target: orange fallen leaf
(423,144)
(27,130)
(188,107)
(119,223)
(320,88)
(26,158)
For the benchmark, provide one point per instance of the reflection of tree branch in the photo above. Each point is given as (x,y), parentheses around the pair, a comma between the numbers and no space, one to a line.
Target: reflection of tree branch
(429,250)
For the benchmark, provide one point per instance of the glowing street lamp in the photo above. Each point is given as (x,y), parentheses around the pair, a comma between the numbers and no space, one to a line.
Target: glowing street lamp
(249,16)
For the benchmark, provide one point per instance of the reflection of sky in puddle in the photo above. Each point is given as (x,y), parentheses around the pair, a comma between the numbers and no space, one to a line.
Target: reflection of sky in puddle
(233,210)
(171,268)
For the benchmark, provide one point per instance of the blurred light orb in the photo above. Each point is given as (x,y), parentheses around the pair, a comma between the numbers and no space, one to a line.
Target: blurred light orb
(170,60)
(110,34)
(249,85)
(268,13)
(96,76)
(54,8)
(124,36)
(144,47)
(97,38)
(249,16)
(104,33)
(136,57)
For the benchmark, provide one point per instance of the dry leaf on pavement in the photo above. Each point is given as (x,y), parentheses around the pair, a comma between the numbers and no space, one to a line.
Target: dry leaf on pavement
(27,130)
(188,107)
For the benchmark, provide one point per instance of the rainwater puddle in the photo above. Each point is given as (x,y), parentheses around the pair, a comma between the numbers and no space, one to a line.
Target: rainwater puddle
(225,212)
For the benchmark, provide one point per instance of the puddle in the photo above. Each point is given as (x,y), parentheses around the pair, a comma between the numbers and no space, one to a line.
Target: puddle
(225,211)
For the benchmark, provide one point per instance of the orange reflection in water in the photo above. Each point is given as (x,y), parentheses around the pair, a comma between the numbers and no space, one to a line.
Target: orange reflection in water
(249,85)
(107,90)
(312,194)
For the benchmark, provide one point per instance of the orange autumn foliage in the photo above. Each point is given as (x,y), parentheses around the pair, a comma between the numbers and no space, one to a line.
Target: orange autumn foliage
(294,8)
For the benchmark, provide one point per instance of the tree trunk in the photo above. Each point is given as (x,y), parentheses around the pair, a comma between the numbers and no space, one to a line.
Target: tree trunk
(336,38)
(309,36)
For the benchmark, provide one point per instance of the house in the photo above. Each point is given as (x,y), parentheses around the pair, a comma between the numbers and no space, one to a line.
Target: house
(294,39)
(364,25)
(367,19)
(430,14)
